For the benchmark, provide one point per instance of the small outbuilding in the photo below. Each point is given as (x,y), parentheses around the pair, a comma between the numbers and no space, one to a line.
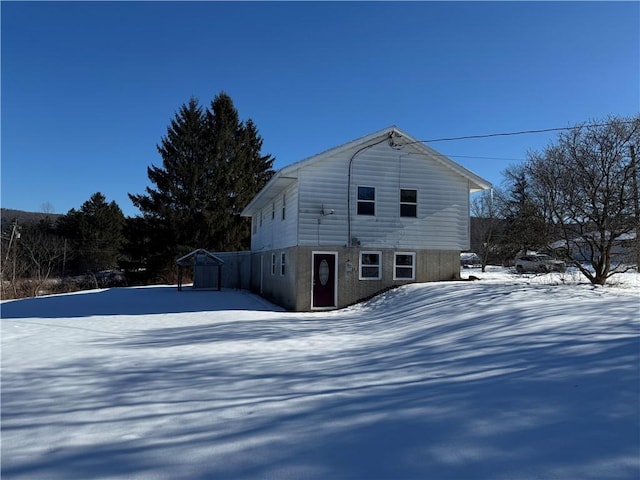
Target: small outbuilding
(206,270)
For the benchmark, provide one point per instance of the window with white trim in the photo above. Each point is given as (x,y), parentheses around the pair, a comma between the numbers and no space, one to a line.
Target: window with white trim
(273,264)
(408,202)
(366,201)
(404,266)
(283,262)
(370,265)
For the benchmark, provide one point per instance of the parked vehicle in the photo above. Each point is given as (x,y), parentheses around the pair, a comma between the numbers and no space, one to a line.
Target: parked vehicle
(539,263)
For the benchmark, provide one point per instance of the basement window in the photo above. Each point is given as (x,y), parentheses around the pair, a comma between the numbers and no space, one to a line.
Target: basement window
(404,266)
(370,265)
(366,201)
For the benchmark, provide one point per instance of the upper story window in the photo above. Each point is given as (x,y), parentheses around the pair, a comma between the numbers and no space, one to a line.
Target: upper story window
(284,204)
(404,266)
(366,201)
(370,265)
(273,210)
(408,203)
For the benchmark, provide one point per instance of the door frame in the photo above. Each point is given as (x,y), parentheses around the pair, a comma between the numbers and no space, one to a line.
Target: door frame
(335,278)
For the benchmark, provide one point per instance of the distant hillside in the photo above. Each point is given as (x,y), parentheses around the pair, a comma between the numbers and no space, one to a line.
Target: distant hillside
(8,216)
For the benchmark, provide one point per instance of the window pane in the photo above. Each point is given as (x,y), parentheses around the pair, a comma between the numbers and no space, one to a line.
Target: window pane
(408,210)
(370,272)
(404,272)
(410,196)
(370,259)
(366,193)
(366,208)
(404,260)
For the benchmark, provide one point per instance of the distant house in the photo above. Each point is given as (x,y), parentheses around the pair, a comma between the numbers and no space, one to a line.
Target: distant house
(580,249)
(379,211)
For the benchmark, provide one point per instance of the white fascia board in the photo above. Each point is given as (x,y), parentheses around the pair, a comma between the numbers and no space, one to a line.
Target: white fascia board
(274,187)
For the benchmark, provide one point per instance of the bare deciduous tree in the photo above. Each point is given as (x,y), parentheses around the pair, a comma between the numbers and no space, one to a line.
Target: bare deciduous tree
(485,207)
(585,183)
(43,252)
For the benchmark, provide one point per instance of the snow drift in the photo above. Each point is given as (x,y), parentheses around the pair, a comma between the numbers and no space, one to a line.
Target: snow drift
(508,377)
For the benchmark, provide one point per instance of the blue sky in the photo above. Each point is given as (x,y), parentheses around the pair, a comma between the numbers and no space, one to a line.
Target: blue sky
(89,88)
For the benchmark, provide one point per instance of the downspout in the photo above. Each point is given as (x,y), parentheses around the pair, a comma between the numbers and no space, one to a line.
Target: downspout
(389,138)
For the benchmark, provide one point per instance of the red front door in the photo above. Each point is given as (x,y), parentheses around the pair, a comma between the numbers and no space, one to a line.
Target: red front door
(324,280)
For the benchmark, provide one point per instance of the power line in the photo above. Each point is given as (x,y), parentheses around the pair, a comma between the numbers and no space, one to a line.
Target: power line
(486,158)
(522,132)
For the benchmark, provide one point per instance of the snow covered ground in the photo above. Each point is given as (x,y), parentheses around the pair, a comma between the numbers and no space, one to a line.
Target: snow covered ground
(509,377)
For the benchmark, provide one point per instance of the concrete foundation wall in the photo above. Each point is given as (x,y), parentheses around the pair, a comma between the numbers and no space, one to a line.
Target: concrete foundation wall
(293,290)
(270,282)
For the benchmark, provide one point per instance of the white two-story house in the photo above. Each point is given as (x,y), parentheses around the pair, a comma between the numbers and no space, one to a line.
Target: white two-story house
(379,211)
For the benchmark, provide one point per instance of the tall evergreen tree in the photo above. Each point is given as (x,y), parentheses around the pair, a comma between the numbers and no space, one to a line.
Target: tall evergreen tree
(211,168)
(241,171)
(95,232)
(525,223)
(171,210)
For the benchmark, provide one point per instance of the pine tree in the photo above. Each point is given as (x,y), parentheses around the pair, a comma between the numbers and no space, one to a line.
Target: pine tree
(171,210)
(241,171)
(95,232)
(211,168)
(526,228)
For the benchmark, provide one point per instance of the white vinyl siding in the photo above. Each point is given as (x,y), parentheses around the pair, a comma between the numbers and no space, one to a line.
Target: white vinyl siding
(275,232)
(323,184)
(442,220)
(442,209)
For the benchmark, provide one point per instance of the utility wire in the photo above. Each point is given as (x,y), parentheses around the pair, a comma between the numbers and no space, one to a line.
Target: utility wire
(505,134)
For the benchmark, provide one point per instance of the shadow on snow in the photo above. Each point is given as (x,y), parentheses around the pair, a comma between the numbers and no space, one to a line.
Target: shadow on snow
(132,301)
(397,388)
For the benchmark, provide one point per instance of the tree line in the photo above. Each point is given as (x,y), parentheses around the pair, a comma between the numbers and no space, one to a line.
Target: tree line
(212,166)
(575,199)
